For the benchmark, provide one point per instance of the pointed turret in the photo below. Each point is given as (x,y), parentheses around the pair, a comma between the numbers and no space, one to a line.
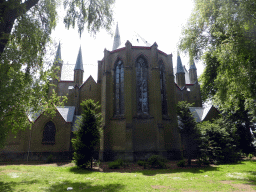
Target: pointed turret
(79,69)
(180,74)
(58,61)
(192,73)
(117,40)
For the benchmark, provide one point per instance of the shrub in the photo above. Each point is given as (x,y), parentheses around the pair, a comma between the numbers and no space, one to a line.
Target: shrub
(49,159)
(250,156)
(156,161)
(143,163)
(181,163)
(114,165)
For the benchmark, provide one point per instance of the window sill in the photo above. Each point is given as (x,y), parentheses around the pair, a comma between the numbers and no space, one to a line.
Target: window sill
(118,117)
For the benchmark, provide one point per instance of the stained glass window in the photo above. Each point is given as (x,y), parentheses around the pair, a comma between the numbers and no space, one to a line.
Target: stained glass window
(162,86)
(49,133)
(142,85)
(119,88)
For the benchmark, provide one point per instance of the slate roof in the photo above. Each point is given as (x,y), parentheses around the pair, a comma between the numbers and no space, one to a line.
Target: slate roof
(193,66)
(180,68)
(200,113)
(67,112)
(79,61)
(187,80)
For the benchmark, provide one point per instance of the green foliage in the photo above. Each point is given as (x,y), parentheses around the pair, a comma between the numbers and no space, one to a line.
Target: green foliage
(87,137)
(156,161)
(114,165)
(49,159)
(25,30)
(218,141)
(181,163)
(250,156)
(96,13)
(188,128)
(222,33)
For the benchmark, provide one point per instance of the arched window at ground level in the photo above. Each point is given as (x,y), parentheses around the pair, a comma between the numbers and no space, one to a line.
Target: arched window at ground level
(49,133)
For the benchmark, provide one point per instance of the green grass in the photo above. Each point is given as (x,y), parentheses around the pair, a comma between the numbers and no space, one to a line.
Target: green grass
(232,177)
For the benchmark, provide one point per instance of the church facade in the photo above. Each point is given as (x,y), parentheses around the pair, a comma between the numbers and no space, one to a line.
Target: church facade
(138,89)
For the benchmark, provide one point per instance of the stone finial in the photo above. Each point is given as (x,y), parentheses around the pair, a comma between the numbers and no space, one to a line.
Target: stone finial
(117,40)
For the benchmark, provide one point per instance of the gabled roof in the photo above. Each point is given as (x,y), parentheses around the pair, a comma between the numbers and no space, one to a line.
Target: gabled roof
(79,61)
(67,112)
(200,113)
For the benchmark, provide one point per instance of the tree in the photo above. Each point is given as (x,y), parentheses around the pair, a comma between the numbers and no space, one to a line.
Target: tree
(223,34)
(25,29)
(188,129)
(87,137)
(219,141)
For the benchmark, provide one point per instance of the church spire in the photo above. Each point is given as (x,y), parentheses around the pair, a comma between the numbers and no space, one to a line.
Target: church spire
(180,68)
(192,73)
(117,40)
(58,55)
(79,69)
(180,74)
(79,61)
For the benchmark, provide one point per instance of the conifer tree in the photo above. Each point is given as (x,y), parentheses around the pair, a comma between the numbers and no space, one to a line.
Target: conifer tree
(87,137)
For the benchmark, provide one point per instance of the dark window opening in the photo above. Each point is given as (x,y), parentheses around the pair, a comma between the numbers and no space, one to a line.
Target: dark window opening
(119,88)
(49,133)
(142,85)
(163,87)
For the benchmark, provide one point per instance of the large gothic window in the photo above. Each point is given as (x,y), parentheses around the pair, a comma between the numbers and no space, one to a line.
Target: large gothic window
(142,85)
(49,133)
(163,87)
(119,88)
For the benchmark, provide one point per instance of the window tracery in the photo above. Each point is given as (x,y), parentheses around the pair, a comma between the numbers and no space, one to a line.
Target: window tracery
(163,87)
(49,133)
(119,88)
(142,85)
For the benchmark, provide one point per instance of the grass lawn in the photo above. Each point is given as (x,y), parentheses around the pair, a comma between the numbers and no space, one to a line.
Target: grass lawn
(58,177)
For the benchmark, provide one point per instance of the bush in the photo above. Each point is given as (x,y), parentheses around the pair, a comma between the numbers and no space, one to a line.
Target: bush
(250,156)
(156,161)
(143,163)
(218,141)
(49,159)
(114,165)
(181,163)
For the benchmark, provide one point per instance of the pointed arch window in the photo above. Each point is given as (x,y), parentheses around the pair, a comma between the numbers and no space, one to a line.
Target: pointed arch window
(163,87)
(142,85)
(49,133)
(119,88)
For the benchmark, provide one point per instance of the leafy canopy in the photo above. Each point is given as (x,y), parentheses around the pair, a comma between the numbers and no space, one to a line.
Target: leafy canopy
(25,30)
(223,34)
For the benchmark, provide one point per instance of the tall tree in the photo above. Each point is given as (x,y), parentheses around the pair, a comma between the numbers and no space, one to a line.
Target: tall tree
(223,34)
(25,29)
(188,129)
(87,137)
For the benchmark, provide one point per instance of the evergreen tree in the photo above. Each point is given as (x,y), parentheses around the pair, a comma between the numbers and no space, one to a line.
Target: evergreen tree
(188,129)
(87,137)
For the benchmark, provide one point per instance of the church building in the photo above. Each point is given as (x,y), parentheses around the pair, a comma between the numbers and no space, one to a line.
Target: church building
(138,89)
